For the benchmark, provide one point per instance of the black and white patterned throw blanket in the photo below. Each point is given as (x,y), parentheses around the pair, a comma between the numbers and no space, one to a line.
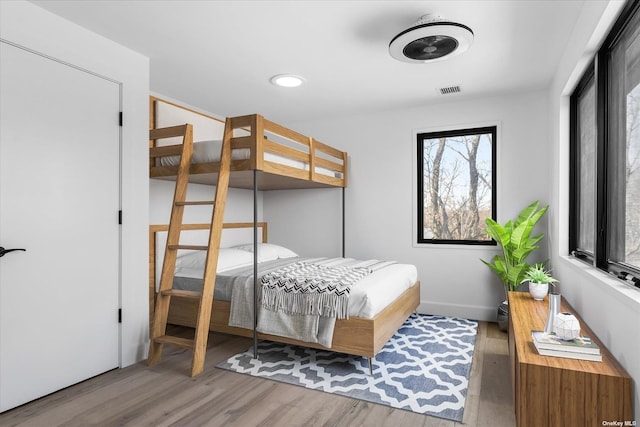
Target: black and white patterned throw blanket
(299,298)
(306,288)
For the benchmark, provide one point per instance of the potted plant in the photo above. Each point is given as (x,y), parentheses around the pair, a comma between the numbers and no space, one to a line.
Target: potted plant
(539,280)
(515,239)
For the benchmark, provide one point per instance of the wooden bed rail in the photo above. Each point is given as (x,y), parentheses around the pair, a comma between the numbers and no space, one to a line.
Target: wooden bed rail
(267,137)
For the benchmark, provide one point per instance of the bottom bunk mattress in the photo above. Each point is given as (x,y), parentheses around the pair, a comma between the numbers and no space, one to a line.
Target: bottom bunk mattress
(301,298)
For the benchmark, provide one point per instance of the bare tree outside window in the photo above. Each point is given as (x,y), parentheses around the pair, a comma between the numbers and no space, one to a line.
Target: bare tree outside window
(456,185)
(632,179)
(623,153)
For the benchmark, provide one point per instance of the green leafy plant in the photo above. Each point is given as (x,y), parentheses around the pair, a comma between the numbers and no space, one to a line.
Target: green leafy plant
(514,237)
(538,274)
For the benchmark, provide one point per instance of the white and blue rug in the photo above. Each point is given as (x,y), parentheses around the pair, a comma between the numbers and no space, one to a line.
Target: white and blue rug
(423,368)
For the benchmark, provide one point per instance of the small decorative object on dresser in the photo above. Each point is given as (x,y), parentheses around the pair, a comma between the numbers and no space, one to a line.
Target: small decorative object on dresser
(566,326)
(539,280)
(554,308)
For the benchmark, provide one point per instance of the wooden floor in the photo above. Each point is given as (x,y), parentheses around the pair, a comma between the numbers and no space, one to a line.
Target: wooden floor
(163,395)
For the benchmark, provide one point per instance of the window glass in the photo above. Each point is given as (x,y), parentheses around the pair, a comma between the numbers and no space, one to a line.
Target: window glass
(587,165)
(632,171)
(456,185)
(624,149)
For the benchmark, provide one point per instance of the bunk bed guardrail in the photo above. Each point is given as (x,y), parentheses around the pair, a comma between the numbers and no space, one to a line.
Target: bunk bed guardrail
(270,148)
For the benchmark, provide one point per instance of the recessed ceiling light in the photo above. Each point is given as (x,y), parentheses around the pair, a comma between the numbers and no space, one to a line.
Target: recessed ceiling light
(287,80)
(431,39)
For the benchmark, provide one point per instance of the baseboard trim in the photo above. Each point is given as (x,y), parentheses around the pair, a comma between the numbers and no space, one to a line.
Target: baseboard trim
(488,314)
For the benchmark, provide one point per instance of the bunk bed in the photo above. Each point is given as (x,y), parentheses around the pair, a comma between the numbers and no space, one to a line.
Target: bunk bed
(279,157)
(268,156)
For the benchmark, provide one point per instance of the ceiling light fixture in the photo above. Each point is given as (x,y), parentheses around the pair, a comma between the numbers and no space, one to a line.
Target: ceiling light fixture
(431,39)
(287,80)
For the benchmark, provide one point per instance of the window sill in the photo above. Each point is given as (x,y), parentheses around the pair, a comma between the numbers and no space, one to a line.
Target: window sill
(458,247)
(622,292)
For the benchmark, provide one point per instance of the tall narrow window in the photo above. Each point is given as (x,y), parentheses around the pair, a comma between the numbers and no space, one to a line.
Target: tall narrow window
(456,190)
(584,149)
(624,147)
(605,154)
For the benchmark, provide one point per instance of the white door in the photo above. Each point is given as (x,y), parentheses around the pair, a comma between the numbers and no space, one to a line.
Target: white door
(59,200)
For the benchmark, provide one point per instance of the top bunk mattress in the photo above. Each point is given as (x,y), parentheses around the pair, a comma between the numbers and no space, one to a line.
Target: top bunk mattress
(209,151)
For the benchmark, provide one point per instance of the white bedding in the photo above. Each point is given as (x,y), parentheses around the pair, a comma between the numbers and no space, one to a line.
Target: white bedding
(368,296)
(209,151)
(303,320)
(374,292)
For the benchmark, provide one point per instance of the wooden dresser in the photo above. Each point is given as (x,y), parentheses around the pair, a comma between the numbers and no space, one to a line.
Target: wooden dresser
(553,391)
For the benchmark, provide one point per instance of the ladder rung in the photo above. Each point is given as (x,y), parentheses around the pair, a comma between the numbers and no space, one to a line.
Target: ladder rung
(191,247)
(195,203)
(181,293)
(168,132)
(180,342)
(166,150)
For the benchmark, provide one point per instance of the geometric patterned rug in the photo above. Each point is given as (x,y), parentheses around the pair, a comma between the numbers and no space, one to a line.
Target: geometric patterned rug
(423,368)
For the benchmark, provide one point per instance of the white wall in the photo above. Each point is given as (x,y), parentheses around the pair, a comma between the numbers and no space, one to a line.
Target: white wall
(611,308)
(239,207)
(309,222)
(380,197)
(32,27)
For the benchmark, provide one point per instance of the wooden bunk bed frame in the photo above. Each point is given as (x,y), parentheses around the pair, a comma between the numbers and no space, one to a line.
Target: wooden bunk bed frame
(262,136)
(356,335)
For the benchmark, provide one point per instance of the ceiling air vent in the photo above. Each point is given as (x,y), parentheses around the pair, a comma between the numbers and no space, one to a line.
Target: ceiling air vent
(450,89)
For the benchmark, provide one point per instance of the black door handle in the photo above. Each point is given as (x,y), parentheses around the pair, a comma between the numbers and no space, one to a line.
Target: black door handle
(6,251)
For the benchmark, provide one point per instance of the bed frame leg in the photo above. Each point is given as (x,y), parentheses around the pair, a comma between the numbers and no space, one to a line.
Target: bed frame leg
(370,366)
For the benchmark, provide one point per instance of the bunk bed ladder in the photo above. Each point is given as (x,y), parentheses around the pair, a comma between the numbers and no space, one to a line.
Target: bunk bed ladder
(204,298)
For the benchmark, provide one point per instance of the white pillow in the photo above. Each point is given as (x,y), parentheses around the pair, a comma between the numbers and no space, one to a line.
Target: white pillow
(268,251)
(228,258)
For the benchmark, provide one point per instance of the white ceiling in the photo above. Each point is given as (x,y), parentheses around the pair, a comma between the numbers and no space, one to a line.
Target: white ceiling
(219,55)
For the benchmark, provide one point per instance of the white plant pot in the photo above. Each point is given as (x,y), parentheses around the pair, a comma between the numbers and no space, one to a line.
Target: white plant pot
(538,290)
(566,326)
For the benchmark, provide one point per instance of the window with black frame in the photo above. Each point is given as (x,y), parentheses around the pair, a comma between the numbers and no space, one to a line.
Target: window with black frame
(456,185)
(584,166)
(605,154)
